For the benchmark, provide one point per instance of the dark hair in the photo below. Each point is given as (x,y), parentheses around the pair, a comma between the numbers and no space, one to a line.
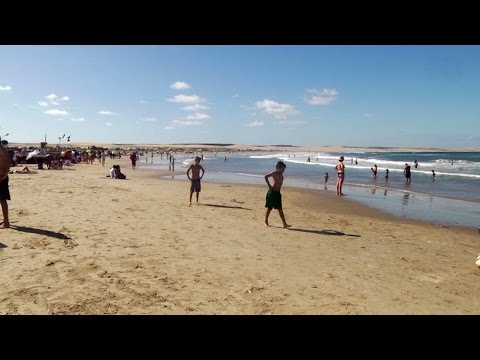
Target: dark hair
(281,164)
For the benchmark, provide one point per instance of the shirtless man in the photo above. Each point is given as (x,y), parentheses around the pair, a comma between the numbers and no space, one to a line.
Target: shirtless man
(274,197)
(5,163)
(196,177)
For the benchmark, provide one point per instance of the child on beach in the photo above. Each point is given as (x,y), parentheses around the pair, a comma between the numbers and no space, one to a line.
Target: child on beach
(196,177)
(274,197)
(326,179)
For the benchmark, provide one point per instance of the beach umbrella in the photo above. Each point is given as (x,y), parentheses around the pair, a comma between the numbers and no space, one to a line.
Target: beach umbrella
(32,154)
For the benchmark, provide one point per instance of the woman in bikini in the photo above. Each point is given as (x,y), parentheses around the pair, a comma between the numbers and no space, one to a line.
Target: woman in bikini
(340,167)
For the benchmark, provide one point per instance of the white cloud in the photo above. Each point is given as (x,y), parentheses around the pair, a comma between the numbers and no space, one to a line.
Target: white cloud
(56,112)
(321,97)
(108,123)
(79,120)
(186,122)
(196,107)
(143,102)
(367,115)
(106,112)
(54,103)
(198,116)
(256,124)
(5,88)
(293,122)
(279,111)
(43,103)
(190,99)
(65,98)
(149,119)
(180,85)
(51,97)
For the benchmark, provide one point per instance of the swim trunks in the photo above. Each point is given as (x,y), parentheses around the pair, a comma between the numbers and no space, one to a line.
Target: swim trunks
(4,191)
(196,187)
(273,199)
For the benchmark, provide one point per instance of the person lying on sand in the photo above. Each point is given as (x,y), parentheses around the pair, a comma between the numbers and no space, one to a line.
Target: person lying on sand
(24,170)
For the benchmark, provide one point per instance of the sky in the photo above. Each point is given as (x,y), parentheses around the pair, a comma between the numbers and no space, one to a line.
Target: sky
(349,95)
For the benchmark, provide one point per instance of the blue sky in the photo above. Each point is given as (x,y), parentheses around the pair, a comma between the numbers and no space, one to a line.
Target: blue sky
(258,95)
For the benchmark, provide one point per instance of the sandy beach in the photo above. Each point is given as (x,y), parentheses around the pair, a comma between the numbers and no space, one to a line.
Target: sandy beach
(81,243)
(242,147)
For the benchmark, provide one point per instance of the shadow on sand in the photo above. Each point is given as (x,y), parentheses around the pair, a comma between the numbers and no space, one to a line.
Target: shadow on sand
(325,232)
(227,207)
(2,246)
(53,234)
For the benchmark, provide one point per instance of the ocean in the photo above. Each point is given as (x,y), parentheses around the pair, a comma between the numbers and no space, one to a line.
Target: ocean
(452,198)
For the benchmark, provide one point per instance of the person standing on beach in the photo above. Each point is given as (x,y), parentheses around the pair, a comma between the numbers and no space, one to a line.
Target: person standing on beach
(407,173)
(340,167)
(133,158)
(386,174)
(5,163)
(274,197)
(195,178)
(433,175)
(326,179)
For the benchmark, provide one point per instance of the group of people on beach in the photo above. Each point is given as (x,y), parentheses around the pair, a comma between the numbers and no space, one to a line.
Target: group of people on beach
(340,167)
(273,199)
(195,173)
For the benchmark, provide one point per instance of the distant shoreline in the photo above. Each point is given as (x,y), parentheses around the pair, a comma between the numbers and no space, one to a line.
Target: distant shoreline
(244,147)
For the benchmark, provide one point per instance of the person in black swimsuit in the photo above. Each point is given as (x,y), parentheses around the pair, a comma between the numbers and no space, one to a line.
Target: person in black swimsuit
(340,167)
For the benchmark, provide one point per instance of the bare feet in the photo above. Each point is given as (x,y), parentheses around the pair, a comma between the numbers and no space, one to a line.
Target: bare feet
(4,225)
(286,226)
(267,224)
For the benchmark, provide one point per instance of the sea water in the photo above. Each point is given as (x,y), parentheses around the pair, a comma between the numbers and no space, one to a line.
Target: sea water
(452,198)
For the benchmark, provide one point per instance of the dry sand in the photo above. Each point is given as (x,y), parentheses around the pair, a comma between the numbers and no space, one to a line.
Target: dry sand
(81,243)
